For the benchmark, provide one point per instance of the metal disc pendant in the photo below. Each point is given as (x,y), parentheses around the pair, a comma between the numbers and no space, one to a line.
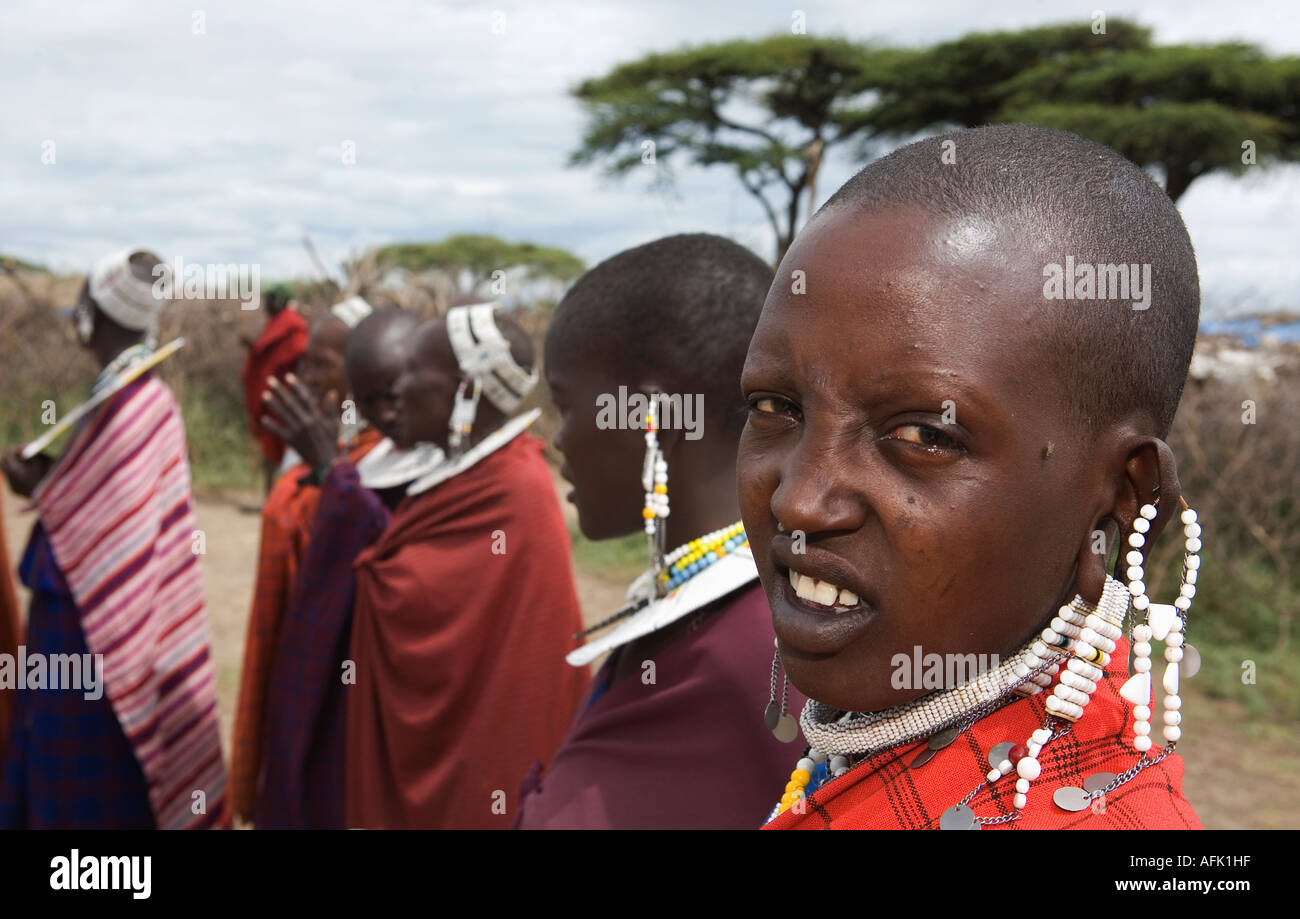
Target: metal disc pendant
(1070,798)
(1190,665)
(772,715)
(922,758)
(999,753)
(958,817)
(943,738)
(787,729)
(1097,781)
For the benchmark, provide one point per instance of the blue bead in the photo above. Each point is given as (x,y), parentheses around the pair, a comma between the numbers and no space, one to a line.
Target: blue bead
(712,557)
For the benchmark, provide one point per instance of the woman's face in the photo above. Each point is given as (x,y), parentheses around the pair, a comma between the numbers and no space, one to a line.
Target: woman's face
(603,466)
(907,432)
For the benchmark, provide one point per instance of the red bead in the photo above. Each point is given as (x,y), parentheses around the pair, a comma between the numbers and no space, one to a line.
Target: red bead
(1018,752)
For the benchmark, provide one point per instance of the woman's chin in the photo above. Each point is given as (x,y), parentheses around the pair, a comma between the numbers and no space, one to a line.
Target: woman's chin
(822,681)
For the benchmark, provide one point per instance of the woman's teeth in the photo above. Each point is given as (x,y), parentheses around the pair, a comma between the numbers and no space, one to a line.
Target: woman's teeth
(823,593)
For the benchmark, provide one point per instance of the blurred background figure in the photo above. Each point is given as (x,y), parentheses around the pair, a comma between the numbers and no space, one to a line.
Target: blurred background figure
(272,355)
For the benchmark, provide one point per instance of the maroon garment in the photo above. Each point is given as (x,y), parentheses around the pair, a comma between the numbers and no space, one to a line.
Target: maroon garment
(689,751)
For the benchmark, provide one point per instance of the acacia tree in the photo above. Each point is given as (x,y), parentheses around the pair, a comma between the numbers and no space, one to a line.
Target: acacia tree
(1185,110)
(767,110)
(471,259)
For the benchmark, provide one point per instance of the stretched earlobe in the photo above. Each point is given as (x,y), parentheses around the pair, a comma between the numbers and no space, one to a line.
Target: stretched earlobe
(1152,479)
(1090,568)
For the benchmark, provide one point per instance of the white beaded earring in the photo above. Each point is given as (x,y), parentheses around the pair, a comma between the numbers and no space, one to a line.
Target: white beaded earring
(1163,623)
(654,478)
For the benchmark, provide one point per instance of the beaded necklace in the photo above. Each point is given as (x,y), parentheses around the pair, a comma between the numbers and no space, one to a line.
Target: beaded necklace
(680,565)
(943,716)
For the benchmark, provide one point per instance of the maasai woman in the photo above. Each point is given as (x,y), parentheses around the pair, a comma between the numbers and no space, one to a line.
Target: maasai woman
(465,604)
(116,586)
(961,450)
(642,358)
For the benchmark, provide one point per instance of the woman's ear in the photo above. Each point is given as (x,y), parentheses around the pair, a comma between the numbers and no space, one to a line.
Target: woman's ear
(1150,476)
(1152,479)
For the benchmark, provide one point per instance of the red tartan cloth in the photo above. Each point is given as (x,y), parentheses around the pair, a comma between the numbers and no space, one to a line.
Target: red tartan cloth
(11,630)
(883,793)
(275,354)
(287,520)
(459,650)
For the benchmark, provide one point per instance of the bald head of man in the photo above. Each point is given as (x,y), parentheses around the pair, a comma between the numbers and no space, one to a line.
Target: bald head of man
(377,351)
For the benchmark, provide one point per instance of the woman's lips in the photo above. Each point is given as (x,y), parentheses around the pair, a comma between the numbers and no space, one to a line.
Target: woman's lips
(813,628)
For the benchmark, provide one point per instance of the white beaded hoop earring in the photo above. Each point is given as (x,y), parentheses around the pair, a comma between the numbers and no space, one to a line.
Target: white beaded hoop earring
(1167,623)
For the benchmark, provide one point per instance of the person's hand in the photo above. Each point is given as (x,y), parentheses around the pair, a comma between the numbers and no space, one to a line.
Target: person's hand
(24,475)
(293,415)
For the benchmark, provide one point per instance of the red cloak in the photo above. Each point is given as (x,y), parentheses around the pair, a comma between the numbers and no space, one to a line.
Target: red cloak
(287,518)
(464,613)
(275,354)
(884,793)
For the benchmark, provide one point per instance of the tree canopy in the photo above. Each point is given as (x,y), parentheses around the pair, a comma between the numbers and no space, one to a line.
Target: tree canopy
(478,256)
(769,109)
(766,109)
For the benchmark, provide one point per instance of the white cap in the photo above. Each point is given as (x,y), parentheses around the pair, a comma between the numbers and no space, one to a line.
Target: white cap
(126,299)
(351,311)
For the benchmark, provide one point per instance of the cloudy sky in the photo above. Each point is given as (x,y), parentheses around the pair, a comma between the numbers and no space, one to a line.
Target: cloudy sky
(225,146)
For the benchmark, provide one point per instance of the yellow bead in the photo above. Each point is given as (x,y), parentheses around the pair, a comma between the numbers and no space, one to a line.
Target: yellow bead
(661,489)
(802,776)
(787,799)
(791,786)
(647,513)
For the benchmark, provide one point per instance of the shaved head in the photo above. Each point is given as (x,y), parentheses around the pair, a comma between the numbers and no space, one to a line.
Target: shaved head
(1065,198)
(377,351)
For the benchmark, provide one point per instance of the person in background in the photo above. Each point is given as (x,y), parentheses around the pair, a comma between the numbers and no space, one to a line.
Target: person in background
(115,580)
(272,355)
(317,435)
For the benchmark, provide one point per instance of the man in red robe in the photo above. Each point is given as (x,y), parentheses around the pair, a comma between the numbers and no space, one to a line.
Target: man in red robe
(466,605)
(272,356)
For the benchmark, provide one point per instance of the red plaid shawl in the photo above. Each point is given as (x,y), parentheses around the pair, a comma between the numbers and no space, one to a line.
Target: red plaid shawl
(120,518)
(883,793)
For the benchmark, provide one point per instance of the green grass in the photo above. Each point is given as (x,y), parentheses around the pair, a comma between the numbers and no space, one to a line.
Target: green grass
(619,559)
(1233,624)
(221,449)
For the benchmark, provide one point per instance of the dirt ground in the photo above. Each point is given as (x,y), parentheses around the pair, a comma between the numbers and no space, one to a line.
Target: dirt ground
(1233,780)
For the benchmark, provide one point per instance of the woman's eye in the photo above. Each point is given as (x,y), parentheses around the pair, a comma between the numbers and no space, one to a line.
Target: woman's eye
(770,405)
(925,436)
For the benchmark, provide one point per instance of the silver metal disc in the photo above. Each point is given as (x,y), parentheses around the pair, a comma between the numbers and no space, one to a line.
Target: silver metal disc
(1190,665)
(1097,781)
(958,817)
(1070,798)
(922,758)
(999,753)
(943,738)
(772,715)
(787,729)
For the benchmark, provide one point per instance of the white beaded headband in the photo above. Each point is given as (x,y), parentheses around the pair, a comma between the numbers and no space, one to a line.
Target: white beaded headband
(484,354)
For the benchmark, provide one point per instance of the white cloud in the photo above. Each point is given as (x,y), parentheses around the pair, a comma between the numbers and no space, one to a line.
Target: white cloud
(226,146)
